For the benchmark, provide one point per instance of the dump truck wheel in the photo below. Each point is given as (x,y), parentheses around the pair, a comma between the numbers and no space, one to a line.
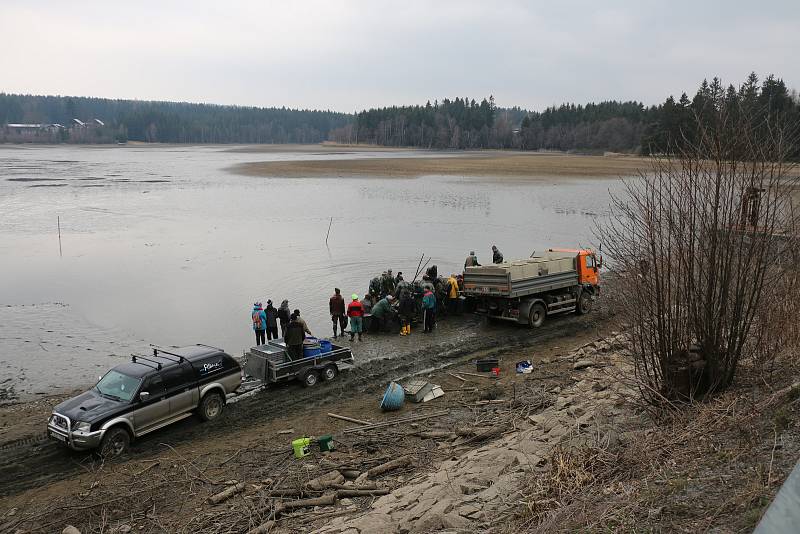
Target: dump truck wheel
(537,315)
(330,372)
(309,377)
(584,304)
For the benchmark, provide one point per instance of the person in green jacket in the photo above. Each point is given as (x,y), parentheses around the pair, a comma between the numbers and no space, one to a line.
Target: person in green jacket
(382,310)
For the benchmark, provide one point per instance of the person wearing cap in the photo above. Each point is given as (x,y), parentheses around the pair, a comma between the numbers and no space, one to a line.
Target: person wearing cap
(259,322)
(355,311)
(337,309)
(382,310)
(497,256)
(472,260)
(272,321)
(294,337)
(302,321)
(387,283)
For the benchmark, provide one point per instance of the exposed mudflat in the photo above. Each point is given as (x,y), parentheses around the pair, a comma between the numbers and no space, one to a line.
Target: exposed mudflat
(501,165)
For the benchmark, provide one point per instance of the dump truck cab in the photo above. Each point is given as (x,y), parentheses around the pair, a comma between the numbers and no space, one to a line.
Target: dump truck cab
(588,265)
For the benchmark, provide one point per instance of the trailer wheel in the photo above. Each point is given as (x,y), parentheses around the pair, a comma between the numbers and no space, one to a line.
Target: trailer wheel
(309,377)
(537,315)
(584,304)
(330,372)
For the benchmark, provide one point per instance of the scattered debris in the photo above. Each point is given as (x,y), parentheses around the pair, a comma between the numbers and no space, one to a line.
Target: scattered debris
(398,421)
(349,419)
(227,493)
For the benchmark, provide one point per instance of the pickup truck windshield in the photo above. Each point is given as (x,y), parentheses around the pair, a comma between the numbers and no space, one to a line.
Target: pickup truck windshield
(116,384)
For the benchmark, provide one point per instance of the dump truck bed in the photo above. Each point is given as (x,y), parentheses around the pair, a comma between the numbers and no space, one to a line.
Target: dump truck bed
(520,278)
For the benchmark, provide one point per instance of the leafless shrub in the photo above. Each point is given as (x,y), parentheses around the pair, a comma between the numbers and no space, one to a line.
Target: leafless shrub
(705,248)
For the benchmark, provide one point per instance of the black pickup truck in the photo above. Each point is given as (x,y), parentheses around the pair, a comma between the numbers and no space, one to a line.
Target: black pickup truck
(146,394)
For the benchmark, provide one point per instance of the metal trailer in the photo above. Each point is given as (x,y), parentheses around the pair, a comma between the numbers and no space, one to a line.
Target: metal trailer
(526,291)
(270,363)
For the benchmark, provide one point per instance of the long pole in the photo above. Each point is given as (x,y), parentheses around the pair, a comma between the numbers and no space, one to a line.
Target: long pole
(58,221)
(329,232)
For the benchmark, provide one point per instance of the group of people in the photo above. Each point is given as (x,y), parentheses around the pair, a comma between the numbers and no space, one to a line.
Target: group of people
(266,321)
(387,294)
(472,259)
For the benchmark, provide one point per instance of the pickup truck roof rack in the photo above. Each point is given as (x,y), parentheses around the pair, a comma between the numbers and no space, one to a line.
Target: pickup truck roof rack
(136,357)
(209,346)
(158,351)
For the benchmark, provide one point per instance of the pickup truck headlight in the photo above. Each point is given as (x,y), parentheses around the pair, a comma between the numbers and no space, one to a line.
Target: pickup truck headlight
(80,426)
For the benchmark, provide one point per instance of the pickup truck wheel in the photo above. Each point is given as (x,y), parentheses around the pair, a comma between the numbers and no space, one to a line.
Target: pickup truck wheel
(211,406)
(537,315)
(584,304)
(330,372)
(115,442)
(309,377)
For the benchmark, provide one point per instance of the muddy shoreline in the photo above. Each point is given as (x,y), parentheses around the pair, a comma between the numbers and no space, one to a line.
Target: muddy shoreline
(29,460)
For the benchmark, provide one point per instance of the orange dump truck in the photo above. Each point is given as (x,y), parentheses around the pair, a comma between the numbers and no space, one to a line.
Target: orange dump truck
(527,291)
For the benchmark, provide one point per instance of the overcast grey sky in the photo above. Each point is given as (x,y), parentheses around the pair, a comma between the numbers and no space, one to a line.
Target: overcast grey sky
(350,55)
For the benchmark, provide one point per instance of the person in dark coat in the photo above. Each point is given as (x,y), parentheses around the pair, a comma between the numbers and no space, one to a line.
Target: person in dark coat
(338,312)
(272,321)
(284,316)
(406,312)
(497,256)
(294,337)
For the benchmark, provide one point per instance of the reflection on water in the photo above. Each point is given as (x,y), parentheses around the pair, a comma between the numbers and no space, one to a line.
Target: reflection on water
(172,249)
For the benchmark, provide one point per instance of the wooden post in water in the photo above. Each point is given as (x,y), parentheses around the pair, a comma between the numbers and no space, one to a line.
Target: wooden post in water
(58,221)
(329,232)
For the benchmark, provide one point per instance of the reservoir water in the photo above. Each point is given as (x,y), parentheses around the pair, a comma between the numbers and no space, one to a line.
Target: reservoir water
(165,245)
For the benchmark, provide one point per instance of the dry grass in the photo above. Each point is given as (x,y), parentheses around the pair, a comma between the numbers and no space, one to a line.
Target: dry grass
(711,466)
(502,164)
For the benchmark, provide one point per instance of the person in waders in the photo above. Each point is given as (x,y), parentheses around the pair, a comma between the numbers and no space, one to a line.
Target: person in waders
(259,319)
(355,311)
(338,312)
(406,312)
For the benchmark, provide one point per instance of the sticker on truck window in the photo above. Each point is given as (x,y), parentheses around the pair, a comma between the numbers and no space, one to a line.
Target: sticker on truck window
(211,367)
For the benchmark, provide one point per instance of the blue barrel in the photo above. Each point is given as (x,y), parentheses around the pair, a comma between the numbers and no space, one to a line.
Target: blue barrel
(310,347)
(393,398)
(325,346)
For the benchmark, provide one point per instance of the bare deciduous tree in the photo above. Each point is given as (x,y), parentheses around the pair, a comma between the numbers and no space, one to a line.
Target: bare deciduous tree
(705,249)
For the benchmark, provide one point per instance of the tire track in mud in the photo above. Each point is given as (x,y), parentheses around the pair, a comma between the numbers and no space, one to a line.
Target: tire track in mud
(33,462)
